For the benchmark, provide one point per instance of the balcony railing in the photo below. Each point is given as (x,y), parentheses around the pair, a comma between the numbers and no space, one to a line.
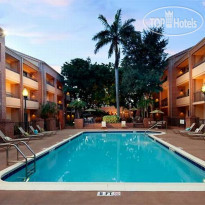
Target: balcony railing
(199,96)
(12,69)
(164,102)
(185,70)
(27,76)
(49,83)
(31,99)
(184,95)
(198,63)
(11,95)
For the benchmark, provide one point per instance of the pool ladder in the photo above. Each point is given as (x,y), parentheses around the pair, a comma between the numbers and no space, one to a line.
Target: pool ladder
(155,125)
(28,172)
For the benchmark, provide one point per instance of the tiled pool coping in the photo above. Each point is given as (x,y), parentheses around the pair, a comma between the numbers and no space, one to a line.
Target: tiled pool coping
(104,186)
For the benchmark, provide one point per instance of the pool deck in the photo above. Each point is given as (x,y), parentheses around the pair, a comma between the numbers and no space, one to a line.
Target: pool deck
(195,147)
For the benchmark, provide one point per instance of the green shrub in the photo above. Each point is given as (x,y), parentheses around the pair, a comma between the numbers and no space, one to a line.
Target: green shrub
(111,118)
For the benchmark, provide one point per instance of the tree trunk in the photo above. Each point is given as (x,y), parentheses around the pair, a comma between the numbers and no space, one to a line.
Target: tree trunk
(117,91)
(77,115)
(117,56)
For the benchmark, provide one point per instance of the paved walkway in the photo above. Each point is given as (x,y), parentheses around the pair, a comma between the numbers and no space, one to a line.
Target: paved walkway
(193,146)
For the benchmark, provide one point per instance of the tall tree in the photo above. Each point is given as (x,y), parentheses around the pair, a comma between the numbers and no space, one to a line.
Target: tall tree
(145,60)
(92,83)
(116,35)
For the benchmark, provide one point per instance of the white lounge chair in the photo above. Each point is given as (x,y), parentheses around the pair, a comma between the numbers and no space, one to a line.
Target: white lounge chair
(189,129)
(197,131)
(33,131)
(25,134)
(10,140)
(41,130)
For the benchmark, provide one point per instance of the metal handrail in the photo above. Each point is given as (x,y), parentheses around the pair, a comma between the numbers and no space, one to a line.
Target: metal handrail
(34,155)
(154,126)
(23,155)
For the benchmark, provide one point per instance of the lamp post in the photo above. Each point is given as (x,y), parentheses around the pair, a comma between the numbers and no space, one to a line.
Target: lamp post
(25,95)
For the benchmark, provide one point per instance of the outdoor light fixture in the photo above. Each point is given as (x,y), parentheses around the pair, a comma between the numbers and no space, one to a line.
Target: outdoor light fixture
(203,89)
(181,72)
(25,95)
(25,92)
(181,92)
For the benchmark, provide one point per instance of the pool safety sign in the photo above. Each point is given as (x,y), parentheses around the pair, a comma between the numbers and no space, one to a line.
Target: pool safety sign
(100,193)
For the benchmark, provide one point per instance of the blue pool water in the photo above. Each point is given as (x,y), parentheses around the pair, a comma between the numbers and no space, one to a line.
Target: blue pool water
(112,157)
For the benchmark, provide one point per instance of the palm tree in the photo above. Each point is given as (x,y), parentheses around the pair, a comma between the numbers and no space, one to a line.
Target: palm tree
(77,105)
(116,35)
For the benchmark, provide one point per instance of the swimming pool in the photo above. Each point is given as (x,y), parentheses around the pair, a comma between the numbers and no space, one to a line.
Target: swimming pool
(112,157)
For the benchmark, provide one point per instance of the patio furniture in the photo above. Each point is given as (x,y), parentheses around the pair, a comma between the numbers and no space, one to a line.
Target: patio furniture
(5,145)
(196,135)
(90,120)
(7,139)
(33,131)
(197,131)
(103,124)
(162,124)
(41,130)
(151,123)
(188,129)
(25,134)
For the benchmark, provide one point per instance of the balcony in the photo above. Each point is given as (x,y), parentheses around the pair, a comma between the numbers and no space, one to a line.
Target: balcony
(50,88)
(164,102)
(181,79)
(12,76)
(12,101)
(60,106)
(182,100)
(199,97)
(59,92)
(29,82)
(198,70)
(31,104)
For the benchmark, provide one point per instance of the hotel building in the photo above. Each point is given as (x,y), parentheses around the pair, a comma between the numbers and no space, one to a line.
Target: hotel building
(19,71)
(182,96)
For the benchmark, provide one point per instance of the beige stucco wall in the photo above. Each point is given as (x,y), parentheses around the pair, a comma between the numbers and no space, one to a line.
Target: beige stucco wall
(200,111)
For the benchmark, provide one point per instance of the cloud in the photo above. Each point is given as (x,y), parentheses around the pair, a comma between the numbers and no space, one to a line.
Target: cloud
(36,37)
(57,2)
(203,3)
(60,3)
(39,7)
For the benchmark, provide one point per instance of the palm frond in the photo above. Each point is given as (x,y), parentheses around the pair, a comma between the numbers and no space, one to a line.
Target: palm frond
(104,21)
(111,50)
(118,17)
(128,22)
(101,43)
(101,35)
